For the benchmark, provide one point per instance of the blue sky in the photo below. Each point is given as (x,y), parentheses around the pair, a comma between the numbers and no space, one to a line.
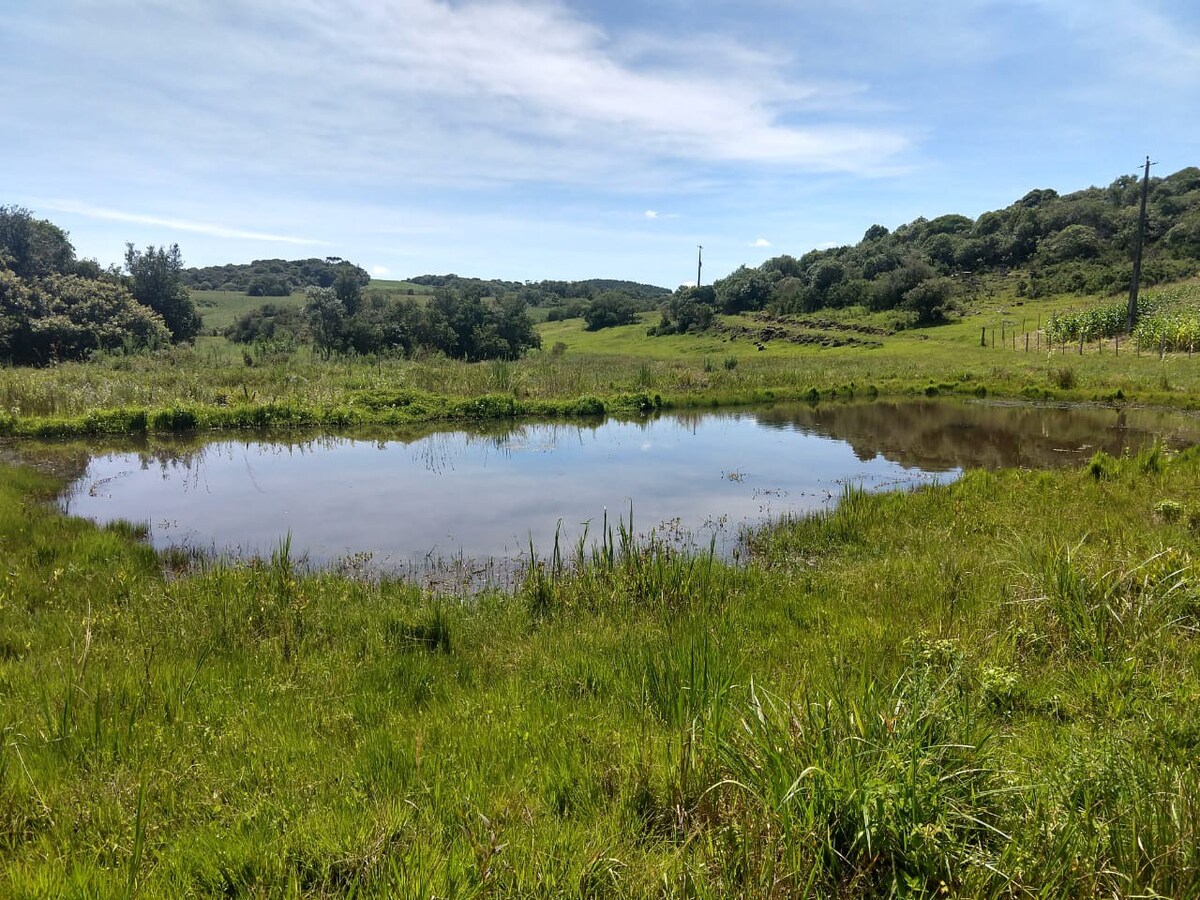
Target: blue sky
(528,139)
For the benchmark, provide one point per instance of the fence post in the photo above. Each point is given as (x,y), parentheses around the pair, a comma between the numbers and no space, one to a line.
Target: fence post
(983,336)
(1027,342)
(1162,347)
(1081,343)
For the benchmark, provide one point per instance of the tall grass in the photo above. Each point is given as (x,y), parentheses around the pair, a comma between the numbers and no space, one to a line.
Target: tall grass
(210,386)
(986,688)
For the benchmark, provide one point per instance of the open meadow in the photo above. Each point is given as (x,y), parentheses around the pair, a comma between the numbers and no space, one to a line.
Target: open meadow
(752,359)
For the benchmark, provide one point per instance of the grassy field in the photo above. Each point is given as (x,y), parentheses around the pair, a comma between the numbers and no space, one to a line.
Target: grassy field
(989,688)
(752,360)
(220,309)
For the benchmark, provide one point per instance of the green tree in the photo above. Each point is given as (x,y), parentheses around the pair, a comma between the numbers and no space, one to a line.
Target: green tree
(156,281)
(690,309)
(33,248)
(326,317)
(348,288)
(515,328)
(931,300)
(268,286)
(1073,242)
(609,310)
(743,289)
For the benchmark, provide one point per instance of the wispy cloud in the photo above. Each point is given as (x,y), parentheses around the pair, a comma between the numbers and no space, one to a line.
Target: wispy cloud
(761,242)
(439,92)
(1154,45)
(654,214)
(220,231)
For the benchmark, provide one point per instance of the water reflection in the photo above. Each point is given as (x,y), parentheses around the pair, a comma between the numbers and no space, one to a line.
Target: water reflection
(412,498)
(940,436)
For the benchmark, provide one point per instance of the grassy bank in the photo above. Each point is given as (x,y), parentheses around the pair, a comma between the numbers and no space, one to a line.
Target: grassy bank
(988,688)
(204,388)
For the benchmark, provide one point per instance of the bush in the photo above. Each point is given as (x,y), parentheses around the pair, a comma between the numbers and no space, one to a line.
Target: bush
(67,317)
(609,310)
(267,323)
(1064,378)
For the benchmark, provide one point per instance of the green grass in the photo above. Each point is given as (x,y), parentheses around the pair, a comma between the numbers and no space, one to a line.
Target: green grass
(987,688)
(220,309)
(224,385)
(392,286)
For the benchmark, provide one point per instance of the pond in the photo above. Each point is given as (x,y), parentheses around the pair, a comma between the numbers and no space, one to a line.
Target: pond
(416,501)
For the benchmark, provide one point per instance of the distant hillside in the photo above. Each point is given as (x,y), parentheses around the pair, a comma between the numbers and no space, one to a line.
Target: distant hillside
(273,277)
(550,293)
(1051,243)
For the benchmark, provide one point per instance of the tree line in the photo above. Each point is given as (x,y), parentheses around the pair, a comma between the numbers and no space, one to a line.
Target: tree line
(461,323)
(274,277)
(55,307)
(1079,242)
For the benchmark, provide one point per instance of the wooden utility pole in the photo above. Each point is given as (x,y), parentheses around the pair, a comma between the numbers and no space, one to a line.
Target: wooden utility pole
(699,262)
(1137,249)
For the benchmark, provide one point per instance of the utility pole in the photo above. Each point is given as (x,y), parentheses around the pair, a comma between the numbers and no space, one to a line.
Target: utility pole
(699,262)
(1137,249)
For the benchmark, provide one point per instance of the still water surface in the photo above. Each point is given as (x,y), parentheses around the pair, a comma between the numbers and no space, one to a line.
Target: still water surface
(412,500)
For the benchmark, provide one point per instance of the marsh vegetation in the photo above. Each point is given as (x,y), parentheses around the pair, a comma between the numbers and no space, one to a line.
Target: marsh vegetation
(984,688)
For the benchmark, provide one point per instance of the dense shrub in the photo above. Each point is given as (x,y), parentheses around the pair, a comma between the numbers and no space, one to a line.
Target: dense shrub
(267,323)
(67,317)
(609,310)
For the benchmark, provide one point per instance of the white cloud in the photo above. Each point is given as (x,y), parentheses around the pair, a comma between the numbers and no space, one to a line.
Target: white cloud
(761,242)
(651,214)
(432,92)
(380,271)
(220,231)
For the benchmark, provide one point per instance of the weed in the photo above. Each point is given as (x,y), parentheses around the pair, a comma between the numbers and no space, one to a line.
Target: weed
(1103,467)
(1064,378)
(1170,511)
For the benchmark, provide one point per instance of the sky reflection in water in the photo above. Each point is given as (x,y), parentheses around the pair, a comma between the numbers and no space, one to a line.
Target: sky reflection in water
(461,494)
